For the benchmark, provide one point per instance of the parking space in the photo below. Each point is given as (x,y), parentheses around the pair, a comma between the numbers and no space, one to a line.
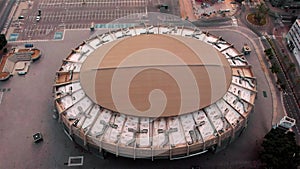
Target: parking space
(37,30)
(13,37)
(57,15)
(115,25)
(58,35)
(86,15)
(90,3)
(77,26)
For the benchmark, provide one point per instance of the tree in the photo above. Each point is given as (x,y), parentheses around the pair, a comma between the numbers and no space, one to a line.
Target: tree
(3,41)
(280,150)
(268,51)
(292,67)
(261,11)
(296,82)
(239,1)
(274,69)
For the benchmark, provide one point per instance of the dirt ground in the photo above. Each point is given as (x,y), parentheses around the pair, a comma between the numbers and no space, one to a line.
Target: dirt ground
(186,10)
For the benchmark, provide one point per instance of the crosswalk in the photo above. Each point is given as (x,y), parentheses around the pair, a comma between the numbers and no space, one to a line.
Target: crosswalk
(251,4)
(234,21)
(266,35)
(1,96)
(2,91)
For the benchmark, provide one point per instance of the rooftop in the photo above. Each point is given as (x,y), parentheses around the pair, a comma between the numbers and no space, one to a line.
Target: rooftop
(162,61)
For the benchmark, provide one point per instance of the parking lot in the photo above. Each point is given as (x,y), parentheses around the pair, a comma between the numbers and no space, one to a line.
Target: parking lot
(90,3)
(86,15)
(58,15)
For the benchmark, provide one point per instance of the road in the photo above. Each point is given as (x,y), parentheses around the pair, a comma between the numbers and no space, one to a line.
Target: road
(288,95)
(289,99)
(5,6)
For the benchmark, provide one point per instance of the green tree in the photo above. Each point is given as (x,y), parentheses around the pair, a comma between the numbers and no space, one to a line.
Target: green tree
(268,51)
(292,67)
(260,13)
(296,82)
(280,150)
(274,69)
(270,57)
(3,41)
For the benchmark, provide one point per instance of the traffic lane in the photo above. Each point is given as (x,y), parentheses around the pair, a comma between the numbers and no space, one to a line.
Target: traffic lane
(288,101)
(2,6)
(292,103)
(262,84)
(4,16)
(291,109)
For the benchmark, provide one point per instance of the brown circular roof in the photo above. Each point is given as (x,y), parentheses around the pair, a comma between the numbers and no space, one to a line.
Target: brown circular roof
(155,75)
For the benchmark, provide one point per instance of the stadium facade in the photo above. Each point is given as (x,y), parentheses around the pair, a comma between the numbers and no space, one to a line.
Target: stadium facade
(154,92)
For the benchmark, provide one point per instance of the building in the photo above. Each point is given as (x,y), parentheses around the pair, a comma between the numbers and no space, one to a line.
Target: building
(17,61)
(293,40)
(277,3)
(154,92)
(280,3)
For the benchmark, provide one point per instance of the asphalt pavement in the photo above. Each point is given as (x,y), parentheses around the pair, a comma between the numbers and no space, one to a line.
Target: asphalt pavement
(5,8)
(58,15)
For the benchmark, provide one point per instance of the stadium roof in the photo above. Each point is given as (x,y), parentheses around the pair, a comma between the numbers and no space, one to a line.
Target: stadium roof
(163,75)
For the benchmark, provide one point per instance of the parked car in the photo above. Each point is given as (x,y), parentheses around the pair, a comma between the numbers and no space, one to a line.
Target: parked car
(21,73)
(28,45)
(38,18)
(21,17)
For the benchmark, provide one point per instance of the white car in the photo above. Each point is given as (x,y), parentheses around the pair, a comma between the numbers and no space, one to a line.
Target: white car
(38,18)
(22,73)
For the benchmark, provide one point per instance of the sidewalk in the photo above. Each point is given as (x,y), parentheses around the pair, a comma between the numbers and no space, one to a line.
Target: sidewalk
(14,18)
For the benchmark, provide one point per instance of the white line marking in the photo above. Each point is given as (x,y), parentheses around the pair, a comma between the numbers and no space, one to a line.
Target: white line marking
(1,96)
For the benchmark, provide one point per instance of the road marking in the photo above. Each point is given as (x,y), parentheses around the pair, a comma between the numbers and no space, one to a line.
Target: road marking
(272,36)
(234,21)
(1,96)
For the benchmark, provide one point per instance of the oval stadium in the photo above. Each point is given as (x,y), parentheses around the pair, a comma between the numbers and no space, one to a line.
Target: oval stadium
(154,92)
